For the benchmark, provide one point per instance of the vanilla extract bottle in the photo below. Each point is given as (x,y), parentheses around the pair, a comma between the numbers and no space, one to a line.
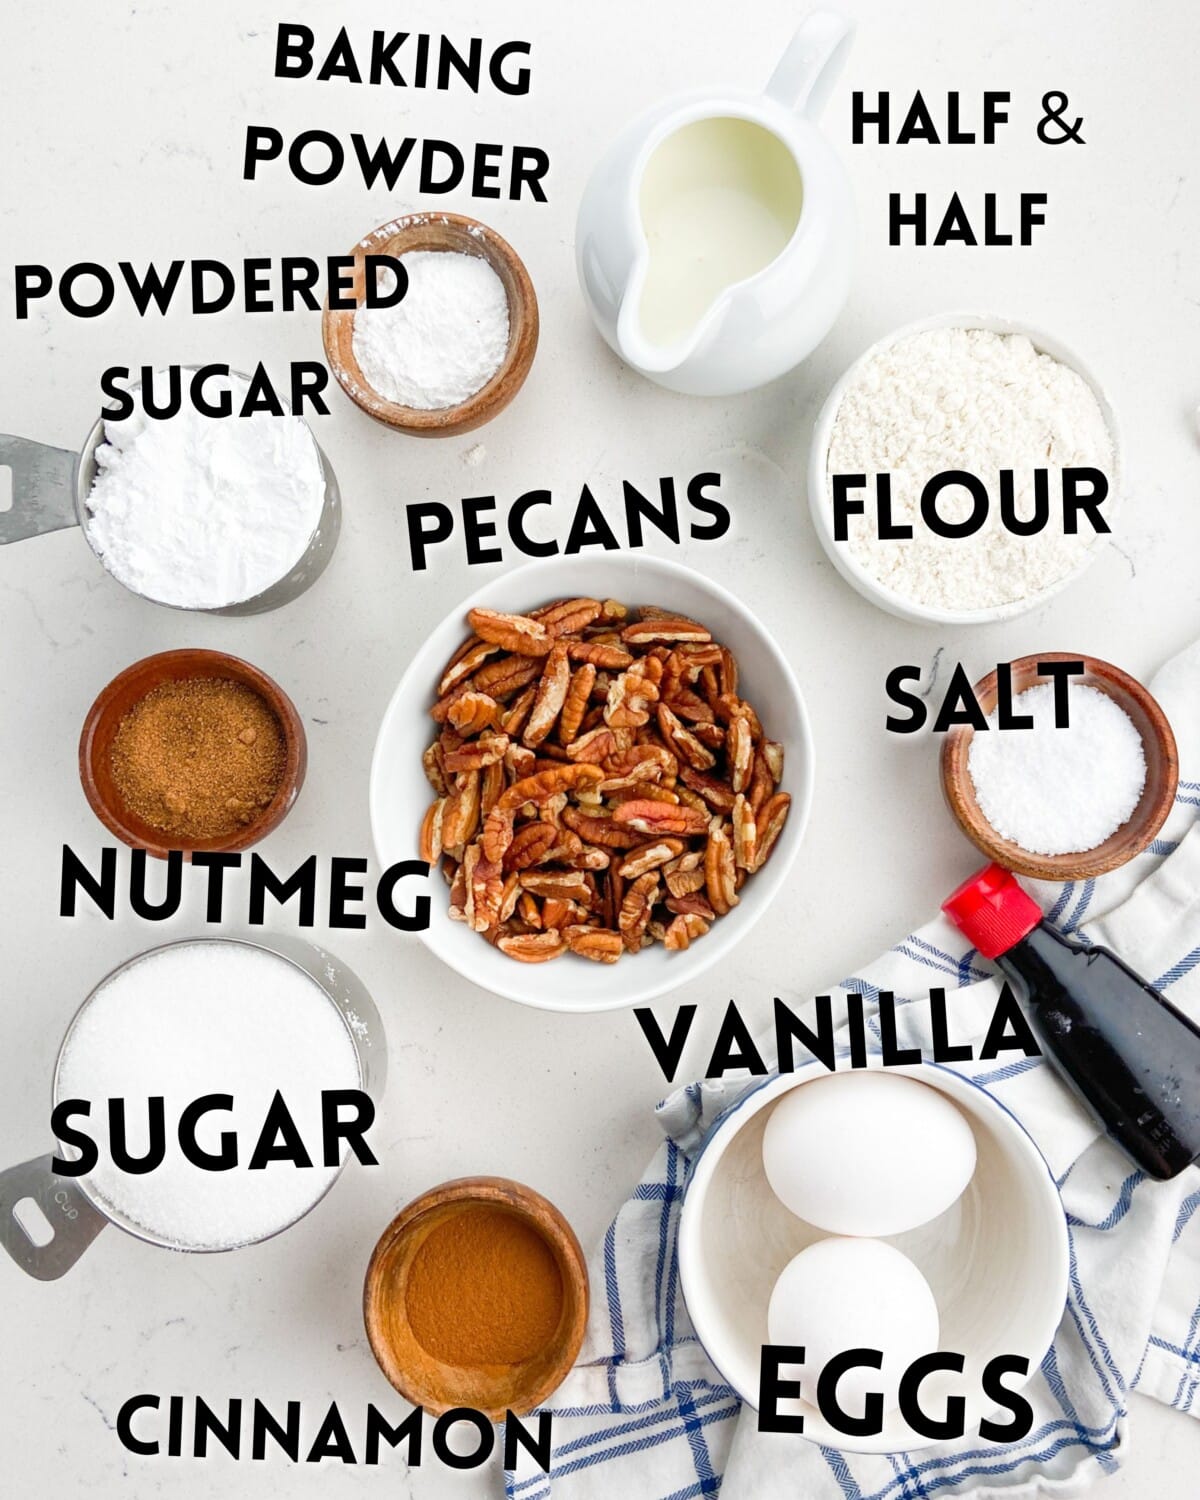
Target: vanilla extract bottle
(1132,1058)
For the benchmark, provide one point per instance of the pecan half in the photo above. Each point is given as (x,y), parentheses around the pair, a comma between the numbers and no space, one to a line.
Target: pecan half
(430,845)
(649,856)
(540,787)
(601,654)
(575,704)
(472,712)
(460,819)
(720,873)
(566,885)
(485,751)
(647,631)
(551,693)
(771,818)
(469,657)
(661,818)
(519,633)
(683,931)
(745,834)
(600,828)
(497,835)
(636,909)
(529,845)
(568,616)
(597,943)
(533,947)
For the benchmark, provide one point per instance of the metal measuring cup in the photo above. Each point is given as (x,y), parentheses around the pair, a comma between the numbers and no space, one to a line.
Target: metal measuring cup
(50,487)
(76,1215)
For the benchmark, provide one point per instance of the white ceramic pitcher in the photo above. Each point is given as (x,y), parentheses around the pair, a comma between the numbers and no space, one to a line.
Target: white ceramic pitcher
(759,325)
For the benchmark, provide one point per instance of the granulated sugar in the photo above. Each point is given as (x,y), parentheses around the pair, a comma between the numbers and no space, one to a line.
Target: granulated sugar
(444,340)
(208,1018)
(967,399)
(201,512)
(1059,791)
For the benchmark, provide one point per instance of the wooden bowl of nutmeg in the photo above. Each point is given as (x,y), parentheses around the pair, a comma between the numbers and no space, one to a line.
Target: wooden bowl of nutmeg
(192,750)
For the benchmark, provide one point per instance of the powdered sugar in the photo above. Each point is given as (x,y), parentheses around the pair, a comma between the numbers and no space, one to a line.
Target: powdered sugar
(444,340)
(208,1018)
(201,512)
(973,400)
(1059,791)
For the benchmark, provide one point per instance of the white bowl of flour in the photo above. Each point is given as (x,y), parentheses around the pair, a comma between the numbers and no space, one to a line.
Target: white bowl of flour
(977,394)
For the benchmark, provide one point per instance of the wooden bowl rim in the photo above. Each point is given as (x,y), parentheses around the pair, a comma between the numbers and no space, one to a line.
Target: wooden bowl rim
(1125,842)
(542,1215)
(193,662)
(523,329)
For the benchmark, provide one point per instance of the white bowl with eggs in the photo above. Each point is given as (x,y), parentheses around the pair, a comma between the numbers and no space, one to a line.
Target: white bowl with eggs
(400,792)
(996,1260)
(840,554)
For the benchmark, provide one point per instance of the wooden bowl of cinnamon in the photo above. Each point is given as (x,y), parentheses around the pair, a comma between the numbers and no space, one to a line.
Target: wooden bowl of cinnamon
(477,1295)
(192,750)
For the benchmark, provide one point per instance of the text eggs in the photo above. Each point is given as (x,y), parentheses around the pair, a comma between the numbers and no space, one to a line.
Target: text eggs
(867,1153)
(842,1294)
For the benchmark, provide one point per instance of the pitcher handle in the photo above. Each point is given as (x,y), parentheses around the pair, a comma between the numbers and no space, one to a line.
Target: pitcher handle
(73,1220)
(806,72)
(43,489)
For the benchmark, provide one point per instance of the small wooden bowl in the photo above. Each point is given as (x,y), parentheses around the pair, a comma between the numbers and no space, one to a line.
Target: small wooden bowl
(129,688)
(438,232)
(1162,774)
(492,1389)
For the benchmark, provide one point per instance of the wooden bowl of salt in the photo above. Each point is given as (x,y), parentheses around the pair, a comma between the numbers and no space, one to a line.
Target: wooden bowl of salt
(1138,829)
(477,1295)
(437,232)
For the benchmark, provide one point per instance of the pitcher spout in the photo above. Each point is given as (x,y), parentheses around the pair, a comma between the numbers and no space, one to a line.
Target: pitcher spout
(653,357)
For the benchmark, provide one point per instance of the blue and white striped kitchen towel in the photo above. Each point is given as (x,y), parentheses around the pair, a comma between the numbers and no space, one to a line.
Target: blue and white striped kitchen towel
(645,1416)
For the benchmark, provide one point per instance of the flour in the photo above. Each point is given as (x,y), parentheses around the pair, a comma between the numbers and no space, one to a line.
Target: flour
(201,512)
(208,1018)
(446,338)
(1059,791)
(968,399)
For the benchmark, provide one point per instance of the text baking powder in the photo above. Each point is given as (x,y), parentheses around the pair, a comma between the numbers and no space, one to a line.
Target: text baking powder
(444,340)
(208,1018)
(1059,791)
(201,512)
(971,400)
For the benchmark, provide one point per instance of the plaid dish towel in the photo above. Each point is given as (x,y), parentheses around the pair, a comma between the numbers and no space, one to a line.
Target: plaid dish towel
(645,1416)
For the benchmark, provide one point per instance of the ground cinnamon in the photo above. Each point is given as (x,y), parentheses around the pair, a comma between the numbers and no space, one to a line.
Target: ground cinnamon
(484,1288)
(199,758)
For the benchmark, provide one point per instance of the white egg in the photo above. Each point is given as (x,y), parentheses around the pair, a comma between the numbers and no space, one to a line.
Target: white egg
(867,1152)
(843,1294)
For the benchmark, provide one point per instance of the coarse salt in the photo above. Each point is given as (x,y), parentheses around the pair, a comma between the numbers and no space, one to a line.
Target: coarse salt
(972,400)
(1059,791)
(444,340)
(208,1018)
(201,512)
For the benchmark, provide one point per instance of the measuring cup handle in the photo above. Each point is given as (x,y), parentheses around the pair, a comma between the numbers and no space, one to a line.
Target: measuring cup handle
(43,489)
(808,69)
(72,1218)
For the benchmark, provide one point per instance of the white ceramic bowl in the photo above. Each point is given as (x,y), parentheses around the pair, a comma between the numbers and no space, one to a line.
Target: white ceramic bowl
(400,793)
(818,489)
(996,1261)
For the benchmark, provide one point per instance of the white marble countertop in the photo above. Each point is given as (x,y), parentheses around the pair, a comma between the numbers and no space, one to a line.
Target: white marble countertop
(124,132)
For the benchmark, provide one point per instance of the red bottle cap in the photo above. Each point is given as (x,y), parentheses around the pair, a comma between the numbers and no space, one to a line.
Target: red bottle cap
(992,910)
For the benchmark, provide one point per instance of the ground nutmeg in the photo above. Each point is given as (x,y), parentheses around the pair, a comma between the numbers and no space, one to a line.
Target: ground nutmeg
(484,1288)
(199,758)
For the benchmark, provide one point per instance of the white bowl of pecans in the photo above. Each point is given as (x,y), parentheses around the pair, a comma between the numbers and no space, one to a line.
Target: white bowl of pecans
(607,764)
